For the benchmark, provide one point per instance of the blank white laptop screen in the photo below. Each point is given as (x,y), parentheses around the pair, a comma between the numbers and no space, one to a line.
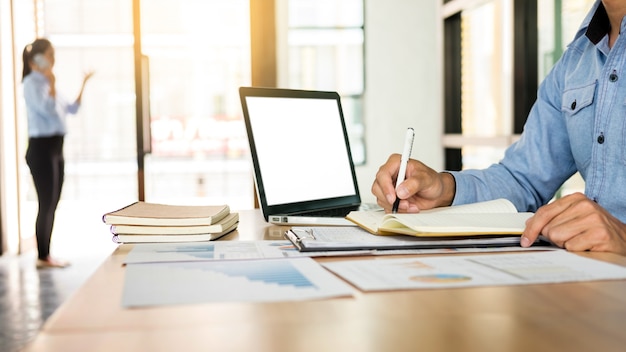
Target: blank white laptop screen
(301,149)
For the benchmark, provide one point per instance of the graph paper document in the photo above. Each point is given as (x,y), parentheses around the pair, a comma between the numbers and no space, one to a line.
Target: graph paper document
(271,280)
(222,250)
(208,251)
(477,270)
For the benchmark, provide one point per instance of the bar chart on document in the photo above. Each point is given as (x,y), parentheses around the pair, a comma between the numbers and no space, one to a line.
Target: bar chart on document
(270,280)
(208,251)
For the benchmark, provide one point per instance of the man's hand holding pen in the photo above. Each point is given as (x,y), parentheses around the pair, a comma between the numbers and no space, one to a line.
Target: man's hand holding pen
(423,187)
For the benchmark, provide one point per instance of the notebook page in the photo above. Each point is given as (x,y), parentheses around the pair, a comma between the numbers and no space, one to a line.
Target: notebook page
(492,206)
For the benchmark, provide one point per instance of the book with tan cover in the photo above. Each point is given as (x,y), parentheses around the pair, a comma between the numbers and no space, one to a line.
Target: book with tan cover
(178,238)
(220,226)
(154,214)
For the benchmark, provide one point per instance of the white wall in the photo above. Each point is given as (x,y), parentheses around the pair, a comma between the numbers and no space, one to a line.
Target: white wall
(403,83)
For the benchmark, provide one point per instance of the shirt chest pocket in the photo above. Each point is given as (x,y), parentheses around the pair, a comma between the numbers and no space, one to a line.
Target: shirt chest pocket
(577,99)
(578,109)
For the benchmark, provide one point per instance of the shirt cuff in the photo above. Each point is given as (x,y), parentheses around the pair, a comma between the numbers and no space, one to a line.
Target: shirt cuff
(461,195)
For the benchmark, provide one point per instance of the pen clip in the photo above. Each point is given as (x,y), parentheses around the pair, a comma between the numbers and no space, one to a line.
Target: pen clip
(404,159)
(408,143)
(410,147)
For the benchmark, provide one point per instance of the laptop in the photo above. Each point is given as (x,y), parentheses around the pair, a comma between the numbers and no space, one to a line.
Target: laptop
(303,169)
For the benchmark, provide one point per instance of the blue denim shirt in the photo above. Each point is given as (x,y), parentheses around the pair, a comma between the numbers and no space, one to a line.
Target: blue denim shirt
(578,123)
(46,115)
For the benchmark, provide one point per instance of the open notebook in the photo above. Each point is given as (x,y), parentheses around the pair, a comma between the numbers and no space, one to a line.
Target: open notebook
(303,168)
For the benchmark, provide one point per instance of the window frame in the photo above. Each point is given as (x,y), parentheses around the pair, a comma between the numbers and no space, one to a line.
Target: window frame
(525,76)
(360,97)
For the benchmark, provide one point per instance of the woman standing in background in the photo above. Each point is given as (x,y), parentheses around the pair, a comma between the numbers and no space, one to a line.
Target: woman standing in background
(46,111)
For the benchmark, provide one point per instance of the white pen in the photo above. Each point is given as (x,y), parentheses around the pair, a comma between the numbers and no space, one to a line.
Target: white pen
(406,154)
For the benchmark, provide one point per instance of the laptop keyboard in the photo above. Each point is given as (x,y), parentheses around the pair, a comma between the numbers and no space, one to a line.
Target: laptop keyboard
(329,213)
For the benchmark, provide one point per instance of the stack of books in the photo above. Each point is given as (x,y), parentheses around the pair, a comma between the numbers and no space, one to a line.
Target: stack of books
(143,222)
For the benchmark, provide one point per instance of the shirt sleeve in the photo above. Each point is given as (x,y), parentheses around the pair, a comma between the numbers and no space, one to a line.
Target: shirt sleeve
(72,108)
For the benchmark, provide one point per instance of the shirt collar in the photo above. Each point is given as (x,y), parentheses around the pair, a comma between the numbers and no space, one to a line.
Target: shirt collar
(599,25)
(36,75)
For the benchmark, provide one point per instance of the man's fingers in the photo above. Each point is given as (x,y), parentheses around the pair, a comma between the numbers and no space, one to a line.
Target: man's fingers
(544,220)
(384,184)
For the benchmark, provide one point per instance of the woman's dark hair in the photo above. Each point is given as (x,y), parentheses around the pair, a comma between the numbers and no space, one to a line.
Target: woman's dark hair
(39,46)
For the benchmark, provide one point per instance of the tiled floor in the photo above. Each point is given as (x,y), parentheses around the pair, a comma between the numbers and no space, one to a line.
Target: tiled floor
(29,296)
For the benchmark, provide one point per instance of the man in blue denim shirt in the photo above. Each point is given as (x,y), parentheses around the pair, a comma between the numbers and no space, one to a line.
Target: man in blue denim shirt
(578,123)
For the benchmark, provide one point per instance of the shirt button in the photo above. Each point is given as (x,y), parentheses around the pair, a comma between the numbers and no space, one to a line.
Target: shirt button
(613,77)
(573,105)
(601,138)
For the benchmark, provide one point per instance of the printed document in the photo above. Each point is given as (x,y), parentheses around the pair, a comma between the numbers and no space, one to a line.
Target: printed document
(474,270)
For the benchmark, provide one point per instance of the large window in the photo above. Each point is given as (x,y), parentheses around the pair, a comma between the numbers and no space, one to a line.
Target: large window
(490,77)
(482,53)
(197,53)
(325,40)
(99,147)
(558,22)
(486,73)
(497,52)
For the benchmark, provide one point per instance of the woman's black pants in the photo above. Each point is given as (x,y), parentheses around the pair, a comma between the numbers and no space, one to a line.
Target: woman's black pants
(44,157)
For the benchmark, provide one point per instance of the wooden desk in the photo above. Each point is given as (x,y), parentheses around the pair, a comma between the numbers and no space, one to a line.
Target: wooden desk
(558,317)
